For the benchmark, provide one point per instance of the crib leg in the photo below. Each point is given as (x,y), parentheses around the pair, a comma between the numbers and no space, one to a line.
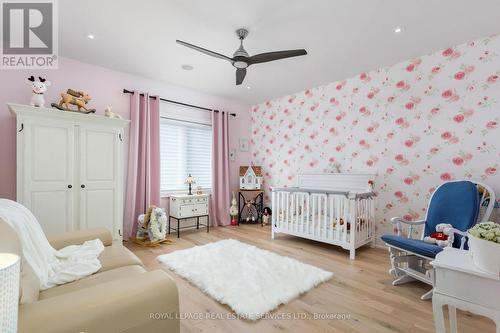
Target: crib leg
(352,254)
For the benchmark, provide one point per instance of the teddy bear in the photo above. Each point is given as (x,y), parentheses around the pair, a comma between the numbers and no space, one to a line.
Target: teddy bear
(442,236)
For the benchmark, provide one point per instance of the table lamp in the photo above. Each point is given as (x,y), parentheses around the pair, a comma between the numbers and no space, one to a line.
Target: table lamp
(190,180)
(9,292)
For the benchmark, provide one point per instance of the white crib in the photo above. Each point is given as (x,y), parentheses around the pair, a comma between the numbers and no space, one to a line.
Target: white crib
(332,208)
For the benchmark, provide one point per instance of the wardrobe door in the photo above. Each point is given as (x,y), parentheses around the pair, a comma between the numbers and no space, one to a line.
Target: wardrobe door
(99,179)
(46,161)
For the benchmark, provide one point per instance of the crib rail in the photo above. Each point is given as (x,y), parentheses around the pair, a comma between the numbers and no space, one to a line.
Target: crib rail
(336,217)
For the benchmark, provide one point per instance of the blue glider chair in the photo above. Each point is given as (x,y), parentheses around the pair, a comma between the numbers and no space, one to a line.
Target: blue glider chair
(457,203)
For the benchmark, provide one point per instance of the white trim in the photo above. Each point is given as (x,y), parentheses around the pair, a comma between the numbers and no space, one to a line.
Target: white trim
(26,110)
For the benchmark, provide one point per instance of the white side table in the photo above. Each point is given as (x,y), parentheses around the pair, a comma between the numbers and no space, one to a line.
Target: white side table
(185,207)
(459,284)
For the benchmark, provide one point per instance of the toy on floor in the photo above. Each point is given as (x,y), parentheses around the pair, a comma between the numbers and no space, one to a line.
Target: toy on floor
(233,211)
(266,215)
(152,227)
(38,88)
(441,236)
(110,114)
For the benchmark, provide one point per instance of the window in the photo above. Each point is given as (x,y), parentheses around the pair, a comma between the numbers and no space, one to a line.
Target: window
(185,148)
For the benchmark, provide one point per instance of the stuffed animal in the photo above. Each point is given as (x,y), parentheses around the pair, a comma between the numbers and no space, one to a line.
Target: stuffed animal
(152,225)
(266,215)
(110,114)
(157,227)
(39,88)
(233,210)
(73,97)
(442,236)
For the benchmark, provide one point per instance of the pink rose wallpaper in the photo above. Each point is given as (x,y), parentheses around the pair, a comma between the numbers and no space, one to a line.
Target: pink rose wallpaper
(415,124)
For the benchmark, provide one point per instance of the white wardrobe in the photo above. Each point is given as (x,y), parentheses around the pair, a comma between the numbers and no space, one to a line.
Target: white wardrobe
(70,169)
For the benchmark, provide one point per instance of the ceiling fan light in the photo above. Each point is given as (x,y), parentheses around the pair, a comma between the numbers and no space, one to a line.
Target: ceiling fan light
(240,64)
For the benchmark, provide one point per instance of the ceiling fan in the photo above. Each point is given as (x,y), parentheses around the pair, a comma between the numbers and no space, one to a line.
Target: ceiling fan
(241,59)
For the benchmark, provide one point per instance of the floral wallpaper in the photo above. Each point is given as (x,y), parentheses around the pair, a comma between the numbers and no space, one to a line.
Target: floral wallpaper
(415,124)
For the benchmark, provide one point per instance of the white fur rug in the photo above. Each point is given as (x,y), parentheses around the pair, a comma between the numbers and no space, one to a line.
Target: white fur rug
(250,280)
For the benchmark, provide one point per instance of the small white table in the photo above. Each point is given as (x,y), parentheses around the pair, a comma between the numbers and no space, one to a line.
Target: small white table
(185,207)
(459,284)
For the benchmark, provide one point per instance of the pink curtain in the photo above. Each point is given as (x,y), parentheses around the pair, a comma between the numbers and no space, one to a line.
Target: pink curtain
(221,193)
(143,177)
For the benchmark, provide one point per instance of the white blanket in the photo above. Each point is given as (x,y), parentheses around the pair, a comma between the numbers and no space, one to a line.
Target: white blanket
(51,266)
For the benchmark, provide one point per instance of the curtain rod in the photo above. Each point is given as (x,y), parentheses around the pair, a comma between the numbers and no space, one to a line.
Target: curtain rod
(125,91)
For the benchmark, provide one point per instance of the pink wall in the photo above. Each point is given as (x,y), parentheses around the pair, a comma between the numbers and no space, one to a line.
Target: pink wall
(105,86)
(415,124)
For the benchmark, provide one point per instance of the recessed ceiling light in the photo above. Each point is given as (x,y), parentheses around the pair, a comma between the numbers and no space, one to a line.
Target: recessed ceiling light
(248,87)
(398,30)
(90,36)
(187,67)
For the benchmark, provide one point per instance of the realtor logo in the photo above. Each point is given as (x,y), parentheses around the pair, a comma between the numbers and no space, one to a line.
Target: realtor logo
(29,34)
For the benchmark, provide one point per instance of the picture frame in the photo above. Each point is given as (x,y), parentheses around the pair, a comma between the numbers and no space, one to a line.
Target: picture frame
(244,145)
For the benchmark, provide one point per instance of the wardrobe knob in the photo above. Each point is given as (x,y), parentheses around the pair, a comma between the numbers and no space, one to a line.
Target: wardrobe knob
(82,186)
(70,186)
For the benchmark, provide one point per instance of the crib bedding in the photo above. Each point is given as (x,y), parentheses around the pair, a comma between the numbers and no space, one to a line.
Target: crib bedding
(318,220)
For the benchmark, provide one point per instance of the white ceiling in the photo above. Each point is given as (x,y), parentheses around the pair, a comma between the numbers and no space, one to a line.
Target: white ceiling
(342,37)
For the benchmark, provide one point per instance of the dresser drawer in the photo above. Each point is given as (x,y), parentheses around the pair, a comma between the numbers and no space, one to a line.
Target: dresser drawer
(201,209)
(192,210)
(201,200)
(475,289)
(188,201)
(186,210)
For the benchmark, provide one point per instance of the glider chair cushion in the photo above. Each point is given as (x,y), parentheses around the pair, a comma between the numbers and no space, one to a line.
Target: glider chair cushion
(413,245)
(455,203)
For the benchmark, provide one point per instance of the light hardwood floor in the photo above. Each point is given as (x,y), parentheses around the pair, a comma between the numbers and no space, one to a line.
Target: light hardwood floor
(360,289)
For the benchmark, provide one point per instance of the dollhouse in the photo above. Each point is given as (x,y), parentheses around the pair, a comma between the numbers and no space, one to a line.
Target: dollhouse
(250,177)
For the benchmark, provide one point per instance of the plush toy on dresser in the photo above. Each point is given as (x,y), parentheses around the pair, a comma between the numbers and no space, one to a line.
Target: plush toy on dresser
(73,97)
(38,88)
(110,114)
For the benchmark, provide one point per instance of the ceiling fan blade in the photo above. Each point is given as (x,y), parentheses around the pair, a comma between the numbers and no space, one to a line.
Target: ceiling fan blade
(240,75)
(202,50)
(271,56)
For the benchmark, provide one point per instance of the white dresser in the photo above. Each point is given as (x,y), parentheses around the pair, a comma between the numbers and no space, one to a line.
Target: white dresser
(70,169)
(458,283)
(184,207)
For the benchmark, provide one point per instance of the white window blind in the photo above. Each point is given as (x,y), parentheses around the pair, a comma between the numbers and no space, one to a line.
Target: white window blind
(185,148)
